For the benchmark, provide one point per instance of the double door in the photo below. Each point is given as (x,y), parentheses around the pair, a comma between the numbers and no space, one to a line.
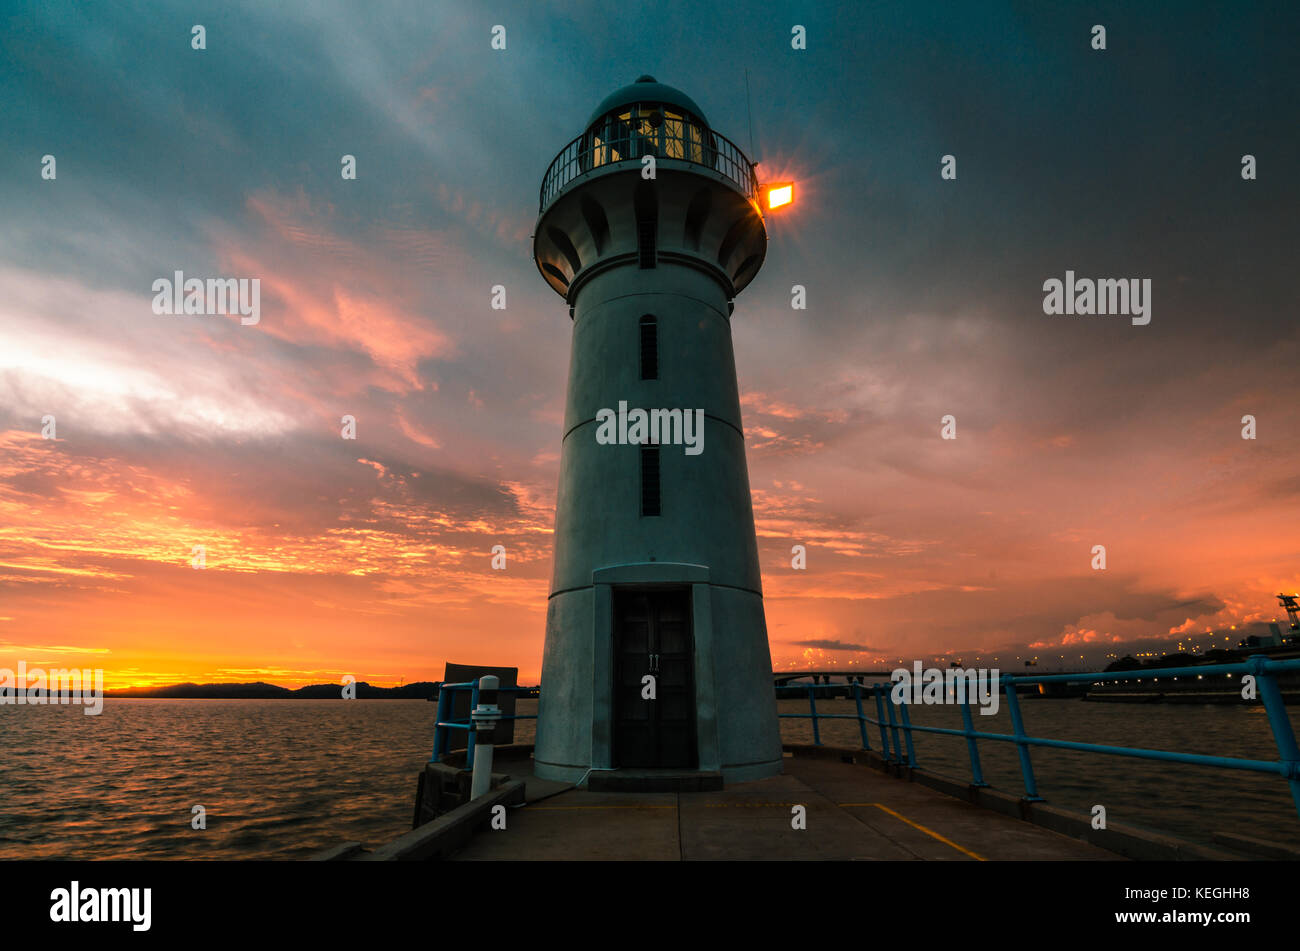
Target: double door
(652,637)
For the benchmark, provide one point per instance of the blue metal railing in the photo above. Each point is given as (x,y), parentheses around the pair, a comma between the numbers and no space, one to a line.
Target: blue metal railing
(443,723)
(1261,668)
(896,727)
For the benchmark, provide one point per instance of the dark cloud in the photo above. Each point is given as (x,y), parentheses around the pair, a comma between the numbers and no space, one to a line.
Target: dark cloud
(831,645)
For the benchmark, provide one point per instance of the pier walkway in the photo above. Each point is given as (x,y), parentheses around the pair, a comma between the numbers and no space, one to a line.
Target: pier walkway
(852,812)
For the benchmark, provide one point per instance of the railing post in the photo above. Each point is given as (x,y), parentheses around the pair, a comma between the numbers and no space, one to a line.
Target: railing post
(1018,727)
(484,717)
(440,732)
(812,704)
(1283,734)
(880,722)
(893,728)
(977,774)
(862,723)
(907,734)
(469,733)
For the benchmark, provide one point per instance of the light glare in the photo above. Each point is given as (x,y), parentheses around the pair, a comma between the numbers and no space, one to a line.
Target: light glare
(778,195)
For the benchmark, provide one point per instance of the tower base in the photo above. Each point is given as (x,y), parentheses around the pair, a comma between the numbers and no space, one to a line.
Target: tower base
(650,780)
(660,628)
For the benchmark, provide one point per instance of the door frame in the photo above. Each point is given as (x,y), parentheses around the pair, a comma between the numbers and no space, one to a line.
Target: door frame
(653,575)
(684,592)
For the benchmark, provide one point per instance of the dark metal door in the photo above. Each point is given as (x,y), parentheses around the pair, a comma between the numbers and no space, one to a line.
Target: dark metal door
(652,635)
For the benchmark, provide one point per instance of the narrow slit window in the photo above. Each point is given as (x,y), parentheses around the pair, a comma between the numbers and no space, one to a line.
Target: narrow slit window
(649,348)
(645,209)
(650,480)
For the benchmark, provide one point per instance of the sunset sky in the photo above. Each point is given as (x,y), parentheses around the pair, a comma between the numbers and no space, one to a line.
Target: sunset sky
(372,557)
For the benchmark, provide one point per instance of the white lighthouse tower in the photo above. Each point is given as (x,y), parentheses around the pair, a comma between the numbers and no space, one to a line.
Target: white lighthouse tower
(656,662)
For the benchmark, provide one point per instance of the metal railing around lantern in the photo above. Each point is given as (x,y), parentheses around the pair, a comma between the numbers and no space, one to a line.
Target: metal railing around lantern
(705,148)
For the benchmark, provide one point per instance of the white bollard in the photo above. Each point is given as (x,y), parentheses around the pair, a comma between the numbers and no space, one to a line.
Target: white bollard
(485,717)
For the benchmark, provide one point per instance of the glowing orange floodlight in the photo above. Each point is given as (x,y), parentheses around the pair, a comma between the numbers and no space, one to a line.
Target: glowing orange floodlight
(776,194)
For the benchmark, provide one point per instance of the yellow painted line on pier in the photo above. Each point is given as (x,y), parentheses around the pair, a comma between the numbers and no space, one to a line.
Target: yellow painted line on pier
(917,825)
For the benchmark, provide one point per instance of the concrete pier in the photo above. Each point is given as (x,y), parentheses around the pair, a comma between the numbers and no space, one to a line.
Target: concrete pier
(853,813)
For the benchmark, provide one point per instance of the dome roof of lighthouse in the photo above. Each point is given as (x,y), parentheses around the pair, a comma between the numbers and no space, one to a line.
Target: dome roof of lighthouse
(647,89)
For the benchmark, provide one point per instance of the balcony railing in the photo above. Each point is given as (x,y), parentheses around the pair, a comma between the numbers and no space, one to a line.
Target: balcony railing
(587,153)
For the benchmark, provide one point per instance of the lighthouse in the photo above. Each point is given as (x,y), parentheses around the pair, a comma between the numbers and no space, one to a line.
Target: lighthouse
(656,662)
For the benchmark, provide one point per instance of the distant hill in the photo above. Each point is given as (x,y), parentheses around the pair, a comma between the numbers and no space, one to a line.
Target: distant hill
(263,691)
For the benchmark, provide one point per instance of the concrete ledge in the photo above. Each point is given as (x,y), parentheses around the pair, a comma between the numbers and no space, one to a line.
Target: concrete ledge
(442,788)
(1132,843)
(1257,848)
(752,771)
(445,834)
(338,853)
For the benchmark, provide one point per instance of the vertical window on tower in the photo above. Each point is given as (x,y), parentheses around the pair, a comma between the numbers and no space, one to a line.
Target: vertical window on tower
(649,348)
(645,208)
(649,480)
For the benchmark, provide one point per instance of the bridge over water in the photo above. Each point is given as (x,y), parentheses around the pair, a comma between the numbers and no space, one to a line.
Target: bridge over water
(823,676)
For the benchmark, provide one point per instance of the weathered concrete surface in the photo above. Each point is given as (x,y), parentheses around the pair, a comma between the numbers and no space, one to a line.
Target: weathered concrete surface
(442,836)
(676,248)
(585,825)
(1131,842)
(853,812)
(516,761)
(702,540)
